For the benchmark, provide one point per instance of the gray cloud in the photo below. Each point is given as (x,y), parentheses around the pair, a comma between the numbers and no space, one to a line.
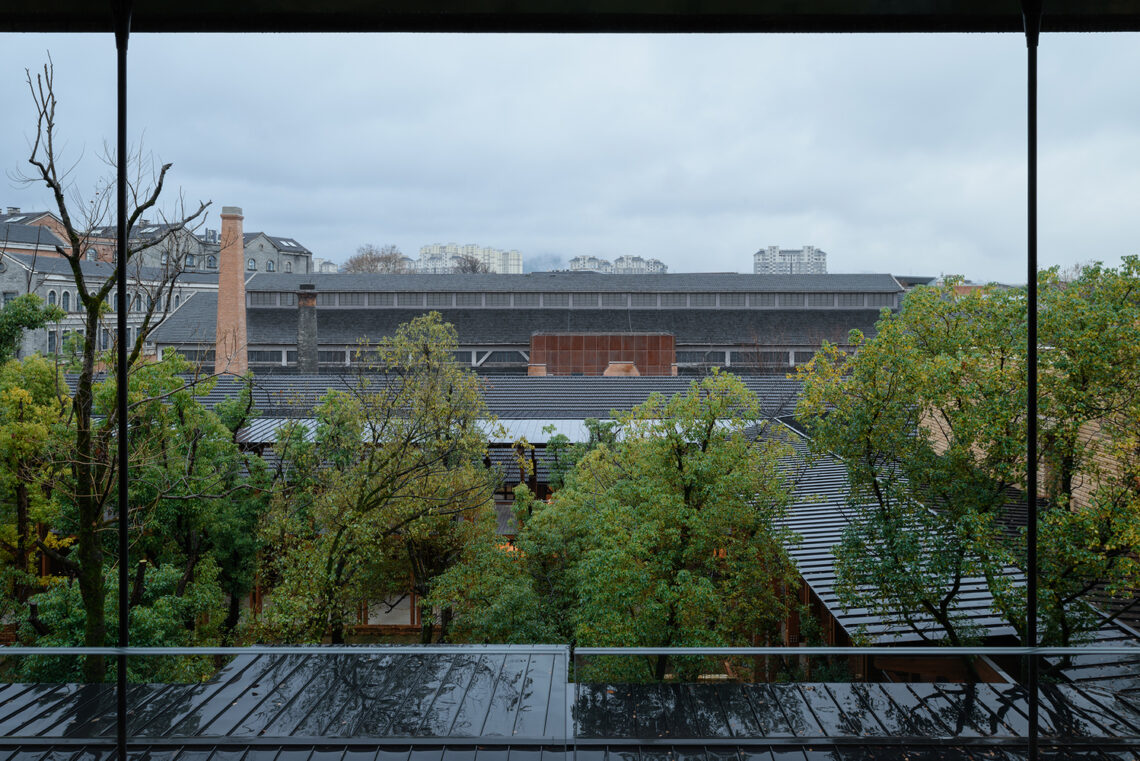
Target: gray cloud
(903,153)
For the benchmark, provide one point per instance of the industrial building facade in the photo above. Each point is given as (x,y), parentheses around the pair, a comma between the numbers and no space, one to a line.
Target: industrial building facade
(507,323)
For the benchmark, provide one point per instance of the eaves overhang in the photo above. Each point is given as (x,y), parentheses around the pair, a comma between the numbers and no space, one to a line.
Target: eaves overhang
(866,16)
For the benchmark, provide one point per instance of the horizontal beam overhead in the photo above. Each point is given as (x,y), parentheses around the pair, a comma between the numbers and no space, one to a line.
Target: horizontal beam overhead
(569,16)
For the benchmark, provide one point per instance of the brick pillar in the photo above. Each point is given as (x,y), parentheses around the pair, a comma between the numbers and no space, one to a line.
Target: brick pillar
(307,329)
(230,340)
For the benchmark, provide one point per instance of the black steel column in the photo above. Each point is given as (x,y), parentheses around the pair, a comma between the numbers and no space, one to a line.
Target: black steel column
(122,32)
(1031,14)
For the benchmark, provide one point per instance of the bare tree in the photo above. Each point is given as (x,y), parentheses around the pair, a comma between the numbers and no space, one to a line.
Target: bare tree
(386,259)
(92,466)
(465,264)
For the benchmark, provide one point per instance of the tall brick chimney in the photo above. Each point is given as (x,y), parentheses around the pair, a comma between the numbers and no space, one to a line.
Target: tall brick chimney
(230,342)
(307,329)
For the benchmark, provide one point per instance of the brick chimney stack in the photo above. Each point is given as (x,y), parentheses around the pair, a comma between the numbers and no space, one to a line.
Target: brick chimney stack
(307,330)
(230,342)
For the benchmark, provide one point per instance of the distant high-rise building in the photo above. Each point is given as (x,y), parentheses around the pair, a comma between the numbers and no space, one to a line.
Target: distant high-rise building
(774,260)
(623,265)
(442,259)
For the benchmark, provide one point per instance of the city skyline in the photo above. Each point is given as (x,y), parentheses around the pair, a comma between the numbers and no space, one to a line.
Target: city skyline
(901,154)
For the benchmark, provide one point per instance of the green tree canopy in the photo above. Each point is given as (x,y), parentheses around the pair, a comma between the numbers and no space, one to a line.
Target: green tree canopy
(377,497)
(666,534)
(27,312)
(929,417)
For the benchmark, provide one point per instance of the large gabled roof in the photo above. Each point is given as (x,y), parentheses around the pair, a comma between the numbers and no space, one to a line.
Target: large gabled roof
(580,282)
(58,265)
(746,328)
(507,396)
(15,232)
(287,245)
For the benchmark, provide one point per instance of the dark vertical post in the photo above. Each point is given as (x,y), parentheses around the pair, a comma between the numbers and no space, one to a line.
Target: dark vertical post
(1031,14)
(122,32)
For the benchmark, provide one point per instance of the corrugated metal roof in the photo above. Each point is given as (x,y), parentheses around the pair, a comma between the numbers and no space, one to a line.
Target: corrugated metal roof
(519,702)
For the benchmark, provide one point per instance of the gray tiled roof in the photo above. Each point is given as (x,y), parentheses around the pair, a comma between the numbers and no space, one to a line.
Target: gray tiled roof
(13,232)
(57,265)
(193,322)
(515,397)
(23,217)
(539,282)
(288,245)
(820,513)
(515,326)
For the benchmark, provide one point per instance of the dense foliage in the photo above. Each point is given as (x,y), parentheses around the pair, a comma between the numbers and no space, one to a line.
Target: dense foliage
(665,534)
(929,417)
(373,500)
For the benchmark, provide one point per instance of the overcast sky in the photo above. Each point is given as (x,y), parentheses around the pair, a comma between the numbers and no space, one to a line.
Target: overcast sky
(900,154)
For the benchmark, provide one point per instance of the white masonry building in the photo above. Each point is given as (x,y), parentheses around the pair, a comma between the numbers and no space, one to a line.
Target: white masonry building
(774,260)
(441,259)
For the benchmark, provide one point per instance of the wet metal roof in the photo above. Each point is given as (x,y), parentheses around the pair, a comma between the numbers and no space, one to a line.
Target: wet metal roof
(508,703)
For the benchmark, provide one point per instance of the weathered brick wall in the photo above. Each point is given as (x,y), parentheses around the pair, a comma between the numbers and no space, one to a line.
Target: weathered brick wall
(592,353)
(230,341)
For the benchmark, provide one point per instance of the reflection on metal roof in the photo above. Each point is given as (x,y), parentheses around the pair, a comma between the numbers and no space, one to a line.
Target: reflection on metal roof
(516,702)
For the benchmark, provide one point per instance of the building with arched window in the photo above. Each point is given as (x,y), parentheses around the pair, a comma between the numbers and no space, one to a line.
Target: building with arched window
(52,279)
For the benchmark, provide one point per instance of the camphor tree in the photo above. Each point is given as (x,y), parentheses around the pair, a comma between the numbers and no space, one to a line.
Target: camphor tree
(92,467)
(376,501)
(929,417)
(665,535)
